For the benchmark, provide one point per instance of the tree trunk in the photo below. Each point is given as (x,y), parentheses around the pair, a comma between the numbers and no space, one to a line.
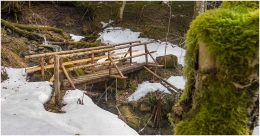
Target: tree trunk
(199,8)
(122,11)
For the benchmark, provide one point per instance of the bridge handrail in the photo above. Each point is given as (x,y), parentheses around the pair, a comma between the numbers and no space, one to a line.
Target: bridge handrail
(77,50)
(104,50)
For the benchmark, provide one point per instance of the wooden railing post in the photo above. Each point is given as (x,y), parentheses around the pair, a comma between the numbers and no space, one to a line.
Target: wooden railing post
(110,71)
(42,68)
(130,54)
(56,79)
(92,62)
(146,55)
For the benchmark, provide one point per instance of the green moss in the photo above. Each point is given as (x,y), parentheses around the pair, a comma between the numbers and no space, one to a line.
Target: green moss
(4,76)
(76,72)
(171,61)
(121,83)
(128,117)
(231,35)
(140,76)
(132,84)
(120,92)
(144,107)
(218,110)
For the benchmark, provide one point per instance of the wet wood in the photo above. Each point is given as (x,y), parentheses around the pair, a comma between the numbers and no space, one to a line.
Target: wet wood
(152,58)
(146,55)
(42,68)
(106,90)
(166,82)
(56,79)
(67,75)
(117,76)
(110,66)
(104,74)
(154,65)
(131,54)
(118,70)
(91,93)
(92,61)
(77,50)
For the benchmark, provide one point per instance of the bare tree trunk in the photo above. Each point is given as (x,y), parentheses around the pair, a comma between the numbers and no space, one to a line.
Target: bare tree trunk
(122,11)
(199,8)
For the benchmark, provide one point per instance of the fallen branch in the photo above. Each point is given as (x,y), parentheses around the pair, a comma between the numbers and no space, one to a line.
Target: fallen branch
(172,86)
(31,27)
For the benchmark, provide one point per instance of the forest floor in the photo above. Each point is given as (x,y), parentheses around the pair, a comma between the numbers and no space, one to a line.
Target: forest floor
(153,23)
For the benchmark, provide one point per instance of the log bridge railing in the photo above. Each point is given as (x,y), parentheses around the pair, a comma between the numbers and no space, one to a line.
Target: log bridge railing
(58,65)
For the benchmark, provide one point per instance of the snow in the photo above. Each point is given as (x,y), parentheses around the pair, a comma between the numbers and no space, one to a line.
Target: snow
(23,112)
(146,87)
(177,81)
(113,35)
(256,131)
(76,38)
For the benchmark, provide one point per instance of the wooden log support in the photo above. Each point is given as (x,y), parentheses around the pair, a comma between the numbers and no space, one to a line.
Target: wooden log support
(92,62)
(106,90)
(127,52)
(117,76)
(153,58)
(110,66)
(169,84)
(56,79)
(154,65)
(42,68)
(66,74)
(146,53)
(131,54)
(78,50)
(118,70)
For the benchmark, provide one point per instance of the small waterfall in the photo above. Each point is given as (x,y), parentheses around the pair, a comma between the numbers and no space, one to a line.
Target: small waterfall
(55,48)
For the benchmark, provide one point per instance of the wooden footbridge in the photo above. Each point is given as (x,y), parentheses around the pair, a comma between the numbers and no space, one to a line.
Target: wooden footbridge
(88,62)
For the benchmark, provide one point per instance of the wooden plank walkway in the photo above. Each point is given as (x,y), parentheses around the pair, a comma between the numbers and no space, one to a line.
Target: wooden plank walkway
(104,74)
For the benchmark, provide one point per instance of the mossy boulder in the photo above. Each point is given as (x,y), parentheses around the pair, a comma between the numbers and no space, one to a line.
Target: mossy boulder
(140,76)
(144,107)
(121,83)
(171,61)
(220,98)
(128,117)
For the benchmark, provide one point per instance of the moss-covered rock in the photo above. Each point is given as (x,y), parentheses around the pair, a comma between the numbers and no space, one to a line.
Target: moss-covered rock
(144,107)
(121,83)
(171,61)
(219,104)
(140,76)
(127,115)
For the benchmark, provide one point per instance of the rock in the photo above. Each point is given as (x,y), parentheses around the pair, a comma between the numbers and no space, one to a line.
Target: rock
(171,61)
(128,117)
(144,107)
(121,83)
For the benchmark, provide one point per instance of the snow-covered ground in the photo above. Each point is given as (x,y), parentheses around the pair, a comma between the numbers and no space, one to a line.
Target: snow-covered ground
(22,111)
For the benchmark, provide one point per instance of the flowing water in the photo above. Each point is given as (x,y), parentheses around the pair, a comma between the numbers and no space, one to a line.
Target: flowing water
(56,48)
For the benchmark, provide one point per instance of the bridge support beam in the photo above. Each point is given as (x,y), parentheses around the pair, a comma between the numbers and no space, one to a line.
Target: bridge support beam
(56,80)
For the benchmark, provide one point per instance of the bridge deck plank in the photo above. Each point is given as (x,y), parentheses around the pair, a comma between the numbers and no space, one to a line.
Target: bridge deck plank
(104,74)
